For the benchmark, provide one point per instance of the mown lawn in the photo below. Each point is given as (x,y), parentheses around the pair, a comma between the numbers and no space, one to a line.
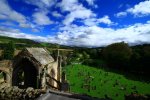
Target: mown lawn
(99,83)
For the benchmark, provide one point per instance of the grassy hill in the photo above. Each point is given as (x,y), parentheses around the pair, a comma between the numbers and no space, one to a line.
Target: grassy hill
(100,83)
(20,43)
(4,39)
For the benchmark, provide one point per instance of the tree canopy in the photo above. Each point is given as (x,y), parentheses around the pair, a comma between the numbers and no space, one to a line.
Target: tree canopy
(117,54)
(9,50)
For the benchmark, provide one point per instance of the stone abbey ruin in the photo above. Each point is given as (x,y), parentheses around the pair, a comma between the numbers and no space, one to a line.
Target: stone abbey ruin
(35,74)
(32,67)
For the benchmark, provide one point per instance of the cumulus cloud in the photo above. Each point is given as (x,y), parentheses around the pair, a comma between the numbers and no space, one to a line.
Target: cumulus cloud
(105,20)
(8,29)
(76,11)
(91,36)
(11,17)
(42,4)
(8,23)
(77,14)
(90,2)
(98,36)
(17,34)
(68,5)
(7,13)
(41,18)
(56,14)
(139,10)
(121,14)
(95,21)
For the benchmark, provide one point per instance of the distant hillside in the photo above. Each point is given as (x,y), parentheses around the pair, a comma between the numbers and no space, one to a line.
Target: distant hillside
(21,43)
(4,39)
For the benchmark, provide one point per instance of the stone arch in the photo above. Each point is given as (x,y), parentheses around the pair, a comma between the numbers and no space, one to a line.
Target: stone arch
(52,74)
(6,76)
(25,74)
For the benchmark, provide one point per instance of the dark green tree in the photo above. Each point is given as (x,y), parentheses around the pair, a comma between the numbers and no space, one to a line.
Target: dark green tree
(145,59)
(117,55)
(9,50)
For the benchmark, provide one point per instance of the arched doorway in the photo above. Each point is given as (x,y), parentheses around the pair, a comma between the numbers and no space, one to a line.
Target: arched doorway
(52,74)
(3,77)
(25,74)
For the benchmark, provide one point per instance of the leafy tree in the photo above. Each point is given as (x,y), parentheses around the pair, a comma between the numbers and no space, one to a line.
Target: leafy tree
(117,55)
(146,59)
(135,61)
(9,50)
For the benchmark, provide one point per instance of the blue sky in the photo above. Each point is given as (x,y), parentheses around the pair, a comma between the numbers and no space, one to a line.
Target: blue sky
(77,22)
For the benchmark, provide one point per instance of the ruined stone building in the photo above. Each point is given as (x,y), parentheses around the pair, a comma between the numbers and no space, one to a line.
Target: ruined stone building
(34,67)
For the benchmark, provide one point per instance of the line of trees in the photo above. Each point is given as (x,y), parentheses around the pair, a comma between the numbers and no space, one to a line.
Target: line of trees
(123,57)
(120,56)
(9,50)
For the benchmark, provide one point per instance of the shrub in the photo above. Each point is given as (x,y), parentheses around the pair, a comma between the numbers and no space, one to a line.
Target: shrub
(9,51)
(117,55)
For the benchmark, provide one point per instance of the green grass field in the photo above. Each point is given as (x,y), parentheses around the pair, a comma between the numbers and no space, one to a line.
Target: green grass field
(98,83)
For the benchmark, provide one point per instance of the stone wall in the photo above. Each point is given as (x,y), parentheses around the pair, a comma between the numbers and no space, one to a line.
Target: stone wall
(14,93)
(53,67)
(6,67)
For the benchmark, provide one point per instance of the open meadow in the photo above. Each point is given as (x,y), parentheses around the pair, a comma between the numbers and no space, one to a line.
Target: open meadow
(100,83)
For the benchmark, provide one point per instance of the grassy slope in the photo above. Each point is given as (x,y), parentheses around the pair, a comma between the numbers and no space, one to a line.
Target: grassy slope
(104,81)
(4,39)
(29,43)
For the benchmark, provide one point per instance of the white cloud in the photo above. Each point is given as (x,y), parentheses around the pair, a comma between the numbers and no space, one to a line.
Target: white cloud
(7,13)
(90,2)
(42,4)
(75,9)
(68,5)
(121,14)
(8,23)
(56,14)
(105,20)
(11,16)
(95,21)
(98,36)
(17,34)
(8,29)
(91,36)
(141,9)
(41,18)
(78,11)
(78,14)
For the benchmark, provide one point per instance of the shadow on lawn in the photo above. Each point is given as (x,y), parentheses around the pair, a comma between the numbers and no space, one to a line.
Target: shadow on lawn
(127,74)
